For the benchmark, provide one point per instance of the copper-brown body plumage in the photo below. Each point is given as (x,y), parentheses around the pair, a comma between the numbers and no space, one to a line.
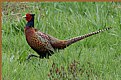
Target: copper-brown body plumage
(45,44)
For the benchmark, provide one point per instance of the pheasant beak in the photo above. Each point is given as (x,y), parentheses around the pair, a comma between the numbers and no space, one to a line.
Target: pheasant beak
(24,16)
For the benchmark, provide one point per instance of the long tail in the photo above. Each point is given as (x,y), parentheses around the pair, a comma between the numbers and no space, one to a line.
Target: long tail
(73,40)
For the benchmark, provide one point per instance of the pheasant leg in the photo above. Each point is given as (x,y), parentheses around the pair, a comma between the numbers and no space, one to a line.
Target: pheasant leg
(31,55)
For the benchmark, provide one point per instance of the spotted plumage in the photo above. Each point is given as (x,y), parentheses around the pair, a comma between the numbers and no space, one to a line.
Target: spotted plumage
(44,44)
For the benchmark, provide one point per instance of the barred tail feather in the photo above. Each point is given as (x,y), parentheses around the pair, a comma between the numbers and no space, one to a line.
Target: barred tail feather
(73,40)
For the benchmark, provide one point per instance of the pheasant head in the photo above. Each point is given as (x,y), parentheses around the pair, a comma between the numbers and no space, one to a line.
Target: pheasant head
(30,19)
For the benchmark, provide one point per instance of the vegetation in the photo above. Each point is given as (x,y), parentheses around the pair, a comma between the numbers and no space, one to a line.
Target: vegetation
(95,58)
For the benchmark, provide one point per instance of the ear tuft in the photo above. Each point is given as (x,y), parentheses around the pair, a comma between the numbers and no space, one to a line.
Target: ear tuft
(33,14)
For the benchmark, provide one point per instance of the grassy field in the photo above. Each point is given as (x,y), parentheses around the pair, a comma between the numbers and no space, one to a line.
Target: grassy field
(95,58)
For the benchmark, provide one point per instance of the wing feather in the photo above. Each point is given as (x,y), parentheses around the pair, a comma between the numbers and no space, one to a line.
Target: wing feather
(44,40)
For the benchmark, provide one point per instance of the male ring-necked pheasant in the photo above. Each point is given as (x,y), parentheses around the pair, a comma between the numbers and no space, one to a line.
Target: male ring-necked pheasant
(45,44)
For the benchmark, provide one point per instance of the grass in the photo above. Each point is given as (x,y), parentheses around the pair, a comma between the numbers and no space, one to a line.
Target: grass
(95,58)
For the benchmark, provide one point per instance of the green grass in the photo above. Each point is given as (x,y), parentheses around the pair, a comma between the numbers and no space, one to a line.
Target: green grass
(98,57)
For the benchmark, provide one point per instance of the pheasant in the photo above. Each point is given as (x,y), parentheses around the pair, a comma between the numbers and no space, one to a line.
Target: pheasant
(44,44)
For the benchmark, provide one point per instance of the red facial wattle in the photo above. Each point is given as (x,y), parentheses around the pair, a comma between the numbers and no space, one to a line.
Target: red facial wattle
(28,17)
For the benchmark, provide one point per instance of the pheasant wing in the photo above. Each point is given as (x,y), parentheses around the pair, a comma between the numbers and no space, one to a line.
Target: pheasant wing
(45,40)
(51,39)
